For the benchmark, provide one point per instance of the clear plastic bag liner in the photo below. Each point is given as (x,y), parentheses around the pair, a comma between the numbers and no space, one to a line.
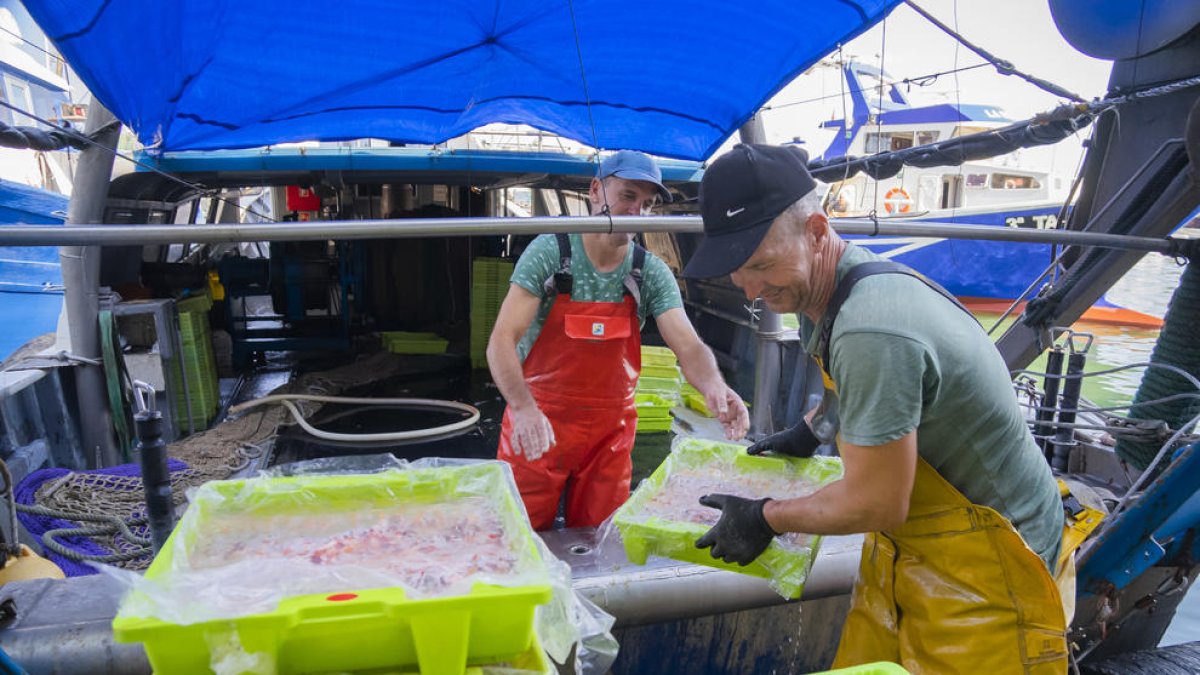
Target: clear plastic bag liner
(664,516)
(434,527)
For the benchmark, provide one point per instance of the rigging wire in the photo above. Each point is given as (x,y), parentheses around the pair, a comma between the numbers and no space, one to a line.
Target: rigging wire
(1149,472)
(919,80)
(1143,364)
(1002,66)
(845,114)
(212,193)
(36,46)
(879,117)
(1120,429)
(587,99)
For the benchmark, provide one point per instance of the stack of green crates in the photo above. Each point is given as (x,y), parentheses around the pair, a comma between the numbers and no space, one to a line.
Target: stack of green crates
(489,285)
(658,389)
(660,374)
(202,398)
(654,413)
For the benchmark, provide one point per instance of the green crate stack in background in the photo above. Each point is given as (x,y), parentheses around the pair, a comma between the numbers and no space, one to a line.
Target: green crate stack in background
(489,285)
(658,389)
(660,374)
(200,366)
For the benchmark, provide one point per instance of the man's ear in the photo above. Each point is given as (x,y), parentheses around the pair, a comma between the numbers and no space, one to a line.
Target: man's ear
(596,194)
(817,226)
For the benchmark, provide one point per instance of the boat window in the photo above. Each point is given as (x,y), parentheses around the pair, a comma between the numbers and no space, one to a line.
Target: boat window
(842,201)
(927,137)
(967,130)
(890,141)
(17,92)
(952,190)
(976,180)
(1012,181)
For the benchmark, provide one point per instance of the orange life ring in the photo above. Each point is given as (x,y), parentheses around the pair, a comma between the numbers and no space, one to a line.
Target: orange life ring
(897,200)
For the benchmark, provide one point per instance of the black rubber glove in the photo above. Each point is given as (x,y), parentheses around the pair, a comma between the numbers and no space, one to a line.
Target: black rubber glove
(742,533)
(799,441)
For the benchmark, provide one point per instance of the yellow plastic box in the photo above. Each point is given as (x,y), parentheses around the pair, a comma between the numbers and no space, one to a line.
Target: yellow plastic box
(644,536)
(358,628)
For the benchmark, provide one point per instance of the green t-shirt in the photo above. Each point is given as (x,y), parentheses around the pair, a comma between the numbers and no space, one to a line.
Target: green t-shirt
(540,260)
(904,358)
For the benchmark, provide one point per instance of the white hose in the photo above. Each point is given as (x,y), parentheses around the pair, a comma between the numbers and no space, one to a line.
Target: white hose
(286,400)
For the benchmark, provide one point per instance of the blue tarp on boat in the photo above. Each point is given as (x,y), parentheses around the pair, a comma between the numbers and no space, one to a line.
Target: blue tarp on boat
(667,77)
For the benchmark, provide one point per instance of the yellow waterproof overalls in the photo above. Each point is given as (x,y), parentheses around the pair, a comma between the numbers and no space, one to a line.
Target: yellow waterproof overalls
(955,589)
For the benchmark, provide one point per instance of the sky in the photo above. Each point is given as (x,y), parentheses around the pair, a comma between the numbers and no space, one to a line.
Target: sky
(1020,31)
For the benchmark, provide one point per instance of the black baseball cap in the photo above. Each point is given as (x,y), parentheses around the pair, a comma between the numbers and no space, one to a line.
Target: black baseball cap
(741,194)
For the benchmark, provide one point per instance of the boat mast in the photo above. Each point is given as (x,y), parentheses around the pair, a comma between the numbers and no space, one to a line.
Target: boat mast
(81,281)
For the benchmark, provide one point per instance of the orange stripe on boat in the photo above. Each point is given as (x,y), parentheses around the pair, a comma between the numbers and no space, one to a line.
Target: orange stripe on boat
(1117,316)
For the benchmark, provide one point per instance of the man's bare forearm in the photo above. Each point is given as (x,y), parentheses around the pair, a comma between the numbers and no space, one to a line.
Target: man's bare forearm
(835,509)
(508,374)
(699,366)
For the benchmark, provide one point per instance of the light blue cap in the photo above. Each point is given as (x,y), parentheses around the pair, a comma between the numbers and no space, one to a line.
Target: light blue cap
(633,165)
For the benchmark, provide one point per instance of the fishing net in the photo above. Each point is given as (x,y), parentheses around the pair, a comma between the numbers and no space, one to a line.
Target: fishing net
(100,515)
(97,515)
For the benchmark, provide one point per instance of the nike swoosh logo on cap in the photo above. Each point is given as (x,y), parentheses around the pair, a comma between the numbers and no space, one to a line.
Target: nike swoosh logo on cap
(733,212)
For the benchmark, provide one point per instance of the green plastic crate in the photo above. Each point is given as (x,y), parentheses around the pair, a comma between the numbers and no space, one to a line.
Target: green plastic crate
(401,342)
(645,536)
(198,361)
(357,628)
(657,356)
(489,286)
(653,425)
(654,384)
(670,372)
(652,406)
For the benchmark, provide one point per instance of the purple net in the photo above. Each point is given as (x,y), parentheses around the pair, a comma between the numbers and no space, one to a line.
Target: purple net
(26,492)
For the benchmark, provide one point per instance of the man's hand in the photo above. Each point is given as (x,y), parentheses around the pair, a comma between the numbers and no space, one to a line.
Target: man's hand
(799,441)
(742,533)
(532,434)
(729,409)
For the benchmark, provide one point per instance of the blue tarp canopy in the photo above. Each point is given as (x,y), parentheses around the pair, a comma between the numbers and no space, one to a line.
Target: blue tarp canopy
(667,77)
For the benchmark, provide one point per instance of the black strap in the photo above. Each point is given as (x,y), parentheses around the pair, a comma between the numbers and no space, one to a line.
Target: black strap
(562,278)
(637,270)
(853,276)
(563,282)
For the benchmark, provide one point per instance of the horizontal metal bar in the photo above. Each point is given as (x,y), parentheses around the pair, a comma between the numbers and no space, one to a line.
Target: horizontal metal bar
(130,235)
(637,596)
(133,235)
(938,230)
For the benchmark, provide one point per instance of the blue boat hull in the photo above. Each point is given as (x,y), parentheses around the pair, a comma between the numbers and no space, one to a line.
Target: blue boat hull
(30,277)
(993,270)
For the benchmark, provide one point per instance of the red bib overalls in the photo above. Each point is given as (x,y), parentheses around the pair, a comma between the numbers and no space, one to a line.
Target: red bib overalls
(582,371)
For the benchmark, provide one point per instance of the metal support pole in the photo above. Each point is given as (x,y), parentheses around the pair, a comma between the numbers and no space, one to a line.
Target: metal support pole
(1044,431)
(81,281)
(1064,437)
(768,358)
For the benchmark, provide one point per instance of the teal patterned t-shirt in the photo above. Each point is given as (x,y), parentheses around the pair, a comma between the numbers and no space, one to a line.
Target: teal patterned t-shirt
(660,292)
